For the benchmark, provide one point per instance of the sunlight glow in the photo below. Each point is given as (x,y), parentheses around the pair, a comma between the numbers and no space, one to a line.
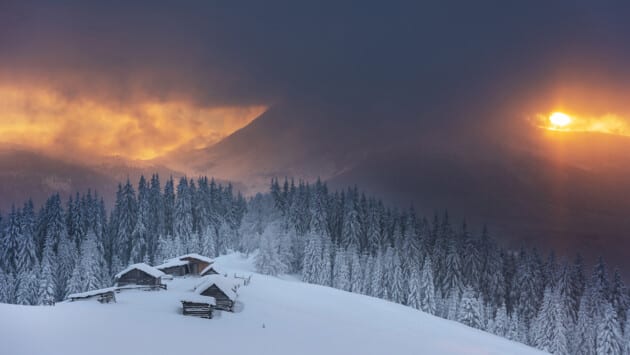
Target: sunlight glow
(559,119)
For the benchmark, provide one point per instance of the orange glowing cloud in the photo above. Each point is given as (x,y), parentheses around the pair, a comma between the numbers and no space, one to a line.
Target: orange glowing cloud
(43,119)
(568,122)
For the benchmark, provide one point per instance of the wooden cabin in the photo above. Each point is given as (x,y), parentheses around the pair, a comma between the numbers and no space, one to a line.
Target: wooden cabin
(221,289)
(140,274)
(189,264)
(198,306)
(174,267)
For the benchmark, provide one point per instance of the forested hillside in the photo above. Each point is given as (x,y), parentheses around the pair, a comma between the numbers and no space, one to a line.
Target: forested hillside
(343,239)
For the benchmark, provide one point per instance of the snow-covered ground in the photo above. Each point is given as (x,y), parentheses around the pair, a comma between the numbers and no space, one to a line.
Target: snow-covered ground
(276,316)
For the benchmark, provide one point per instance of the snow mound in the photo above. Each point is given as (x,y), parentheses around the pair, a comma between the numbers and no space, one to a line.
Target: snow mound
(279,316)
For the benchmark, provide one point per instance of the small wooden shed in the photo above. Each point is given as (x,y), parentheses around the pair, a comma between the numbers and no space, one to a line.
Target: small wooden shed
(139,274)
(103,295)
(222,289)
(198,306)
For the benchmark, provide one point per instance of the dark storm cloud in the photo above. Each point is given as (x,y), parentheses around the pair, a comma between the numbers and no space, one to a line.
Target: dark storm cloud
(408,58)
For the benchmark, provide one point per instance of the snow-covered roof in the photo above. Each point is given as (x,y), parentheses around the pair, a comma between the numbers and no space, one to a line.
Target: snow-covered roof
(142,267)
(223,283)
(195,298)
(196,256)
(172,263)
(207,268)
(91,293)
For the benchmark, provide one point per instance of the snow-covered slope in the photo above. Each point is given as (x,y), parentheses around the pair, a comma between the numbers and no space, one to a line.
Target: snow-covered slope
(275,316)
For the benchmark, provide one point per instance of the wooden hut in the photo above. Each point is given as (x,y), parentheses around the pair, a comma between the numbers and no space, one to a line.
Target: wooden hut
(103,295)
(189,264)
(198,306)
(196,262)
(174,267)
(140,274)
(222,289)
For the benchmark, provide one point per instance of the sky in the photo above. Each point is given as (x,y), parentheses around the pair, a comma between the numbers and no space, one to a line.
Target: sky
(160,79)
(69,69)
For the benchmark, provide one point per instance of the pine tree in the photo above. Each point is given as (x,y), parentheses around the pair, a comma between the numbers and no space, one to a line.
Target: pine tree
(11,241)
(608,333)
(414,294)
(583,340)
(27,249)
(67,258)
(452,282)
(28,287)
(268,259)
(501,322)
(397,289)
(356,272)
(619,298)
(427,289)
(183,222)
(169,207)
(548,330)
(5,285)
(470,310)
(47,289)
(341,271)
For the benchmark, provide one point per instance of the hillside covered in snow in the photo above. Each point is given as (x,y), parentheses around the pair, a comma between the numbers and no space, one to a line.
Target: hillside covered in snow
(273,316)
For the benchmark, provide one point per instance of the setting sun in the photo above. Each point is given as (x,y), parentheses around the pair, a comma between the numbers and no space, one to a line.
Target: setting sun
(559,119)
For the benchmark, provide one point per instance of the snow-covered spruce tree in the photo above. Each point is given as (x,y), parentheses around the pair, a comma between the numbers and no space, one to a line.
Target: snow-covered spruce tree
(378,274)
(500,325)
(208,245)
(356,271)
(549,331)
(583,339)
(124,218)
(341,271)
(427,290)
(47,286)
(452,283)
(168,205)
(27,249)
(368,271)
(326,268)
(139,244)
(472,263)
(67,258)
(28,286)
(414,294)
(312,259)
(183,221)
(608,341)
(10,241)
(470,312)
(626,335)
(351,227)
(268,259)
(397,288)
(619,298)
